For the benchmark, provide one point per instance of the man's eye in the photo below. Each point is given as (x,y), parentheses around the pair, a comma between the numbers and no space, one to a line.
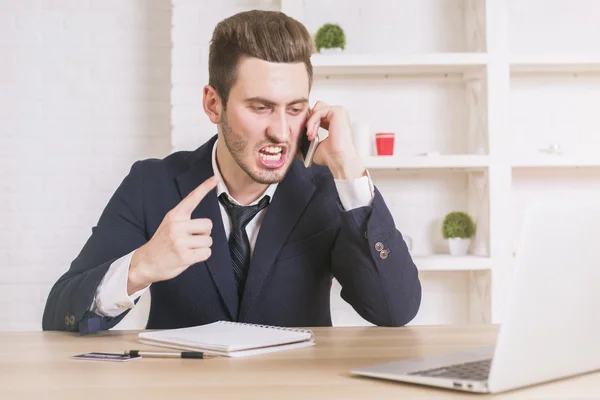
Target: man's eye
(260,108)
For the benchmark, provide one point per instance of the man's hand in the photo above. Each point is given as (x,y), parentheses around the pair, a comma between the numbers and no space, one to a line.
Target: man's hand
(337,151)
(178,243)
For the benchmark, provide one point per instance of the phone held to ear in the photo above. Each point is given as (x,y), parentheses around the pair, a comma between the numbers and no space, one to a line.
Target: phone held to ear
(307,148)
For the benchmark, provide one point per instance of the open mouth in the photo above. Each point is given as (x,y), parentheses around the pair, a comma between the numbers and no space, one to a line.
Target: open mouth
(272,156)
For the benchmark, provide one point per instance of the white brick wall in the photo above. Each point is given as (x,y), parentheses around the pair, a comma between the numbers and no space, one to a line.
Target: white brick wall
(84,92)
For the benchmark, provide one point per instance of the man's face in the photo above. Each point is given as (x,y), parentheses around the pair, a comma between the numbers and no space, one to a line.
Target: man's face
(266,112)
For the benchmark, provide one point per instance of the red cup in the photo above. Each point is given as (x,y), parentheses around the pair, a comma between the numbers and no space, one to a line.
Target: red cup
(385,144)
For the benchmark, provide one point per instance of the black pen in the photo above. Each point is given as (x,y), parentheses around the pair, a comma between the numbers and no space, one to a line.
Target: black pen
(164,354)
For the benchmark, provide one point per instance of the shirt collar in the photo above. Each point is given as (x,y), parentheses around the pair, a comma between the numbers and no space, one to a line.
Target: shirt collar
(222,188)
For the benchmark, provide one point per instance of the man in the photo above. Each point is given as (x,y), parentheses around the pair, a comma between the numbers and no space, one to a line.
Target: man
(178,226)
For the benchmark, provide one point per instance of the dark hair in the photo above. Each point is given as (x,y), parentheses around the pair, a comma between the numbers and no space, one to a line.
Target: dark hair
(268,35)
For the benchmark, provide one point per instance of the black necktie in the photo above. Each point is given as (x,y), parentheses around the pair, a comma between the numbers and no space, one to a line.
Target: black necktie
(239,245)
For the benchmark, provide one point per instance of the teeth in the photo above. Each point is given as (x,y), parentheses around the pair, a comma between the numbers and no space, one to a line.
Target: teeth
(273,150)
(270,158)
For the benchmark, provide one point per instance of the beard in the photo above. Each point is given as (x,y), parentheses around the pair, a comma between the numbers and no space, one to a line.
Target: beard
(238,147)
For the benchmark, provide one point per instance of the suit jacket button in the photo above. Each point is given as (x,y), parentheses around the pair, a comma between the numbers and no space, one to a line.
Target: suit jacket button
(72,320)
(378,246)
(383,254)
(67,320)
(366,235)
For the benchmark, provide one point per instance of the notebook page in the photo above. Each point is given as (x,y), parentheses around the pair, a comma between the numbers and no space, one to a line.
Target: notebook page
(227,336)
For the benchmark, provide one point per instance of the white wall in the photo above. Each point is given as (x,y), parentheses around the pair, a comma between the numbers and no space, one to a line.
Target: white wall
(84,91)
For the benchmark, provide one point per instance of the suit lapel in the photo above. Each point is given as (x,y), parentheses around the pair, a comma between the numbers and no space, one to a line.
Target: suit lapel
(289,201)
(219,263)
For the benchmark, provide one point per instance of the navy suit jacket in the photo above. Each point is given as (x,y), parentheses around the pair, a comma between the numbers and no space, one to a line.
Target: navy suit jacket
(306,239)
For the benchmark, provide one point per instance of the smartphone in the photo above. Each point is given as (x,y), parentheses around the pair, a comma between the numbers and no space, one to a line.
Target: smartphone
(307,148)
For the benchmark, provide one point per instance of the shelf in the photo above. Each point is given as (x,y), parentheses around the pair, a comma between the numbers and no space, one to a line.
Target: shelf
(361,64)
(426,162)
(445,262)
(555,63)
(555,161)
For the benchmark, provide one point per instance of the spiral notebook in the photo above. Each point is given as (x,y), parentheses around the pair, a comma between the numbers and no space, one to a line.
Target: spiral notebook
(231,339)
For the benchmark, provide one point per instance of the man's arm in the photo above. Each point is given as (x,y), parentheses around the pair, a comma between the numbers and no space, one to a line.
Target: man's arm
(120,230)
(178,243)
(370,258)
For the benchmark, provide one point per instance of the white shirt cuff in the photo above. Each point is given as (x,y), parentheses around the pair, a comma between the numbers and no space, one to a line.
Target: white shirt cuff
(355,193)
(111,297)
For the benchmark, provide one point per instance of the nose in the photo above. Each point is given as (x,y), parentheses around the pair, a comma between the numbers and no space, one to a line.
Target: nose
(279,128)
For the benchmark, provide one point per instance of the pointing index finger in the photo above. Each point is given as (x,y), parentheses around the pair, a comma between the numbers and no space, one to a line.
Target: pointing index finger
(191,201)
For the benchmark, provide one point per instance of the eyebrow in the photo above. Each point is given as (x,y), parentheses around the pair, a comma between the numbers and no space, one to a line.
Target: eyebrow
(268,102)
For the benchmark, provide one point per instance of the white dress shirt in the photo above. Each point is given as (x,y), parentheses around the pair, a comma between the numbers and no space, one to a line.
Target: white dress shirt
(111,297)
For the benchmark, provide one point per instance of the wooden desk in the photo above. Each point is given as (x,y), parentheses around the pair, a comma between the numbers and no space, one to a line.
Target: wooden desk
(37,365)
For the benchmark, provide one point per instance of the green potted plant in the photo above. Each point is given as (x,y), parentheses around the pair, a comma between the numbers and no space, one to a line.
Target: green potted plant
(330,38)
(458,228)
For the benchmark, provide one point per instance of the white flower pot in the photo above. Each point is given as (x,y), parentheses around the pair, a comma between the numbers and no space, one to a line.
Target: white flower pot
(458,246)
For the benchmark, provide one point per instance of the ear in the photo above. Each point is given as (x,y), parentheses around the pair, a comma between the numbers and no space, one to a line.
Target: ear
(211,102)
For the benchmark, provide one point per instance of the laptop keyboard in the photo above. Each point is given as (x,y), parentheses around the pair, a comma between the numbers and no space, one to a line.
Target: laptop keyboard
(475,371)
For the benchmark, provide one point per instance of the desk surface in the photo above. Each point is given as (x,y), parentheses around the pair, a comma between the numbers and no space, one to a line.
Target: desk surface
(38,365)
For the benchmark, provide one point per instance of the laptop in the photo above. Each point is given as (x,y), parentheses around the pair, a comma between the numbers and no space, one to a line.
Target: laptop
(553,320)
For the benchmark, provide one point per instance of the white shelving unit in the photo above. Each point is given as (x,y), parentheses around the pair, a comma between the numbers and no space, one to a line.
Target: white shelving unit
(535,63)
(444,262)
(368,64)
(467,82)
(466,162)
(555,161)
